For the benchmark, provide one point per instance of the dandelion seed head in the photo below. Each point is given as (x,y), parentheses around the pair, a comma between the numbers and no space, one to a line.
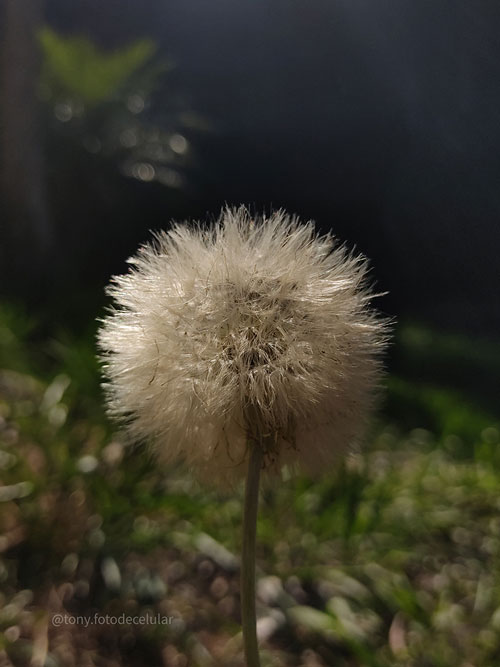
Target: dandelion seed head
(248,326)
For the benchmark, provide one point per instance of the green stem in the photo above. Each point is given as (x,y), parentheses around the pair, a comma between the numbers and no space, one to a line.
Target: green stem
(248,617)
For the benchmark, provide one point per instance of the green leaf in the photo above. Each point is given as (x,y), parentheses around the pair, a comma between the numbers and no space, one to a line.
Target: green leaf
(78,68)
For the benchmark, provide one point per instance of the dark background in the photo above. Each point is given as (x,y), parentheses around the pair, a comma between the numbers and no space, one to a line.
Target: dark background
(378,119)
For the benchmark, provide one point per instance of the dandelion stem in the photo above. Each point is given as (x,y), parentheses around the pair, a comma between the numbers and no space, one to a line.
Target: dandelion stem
(248,617)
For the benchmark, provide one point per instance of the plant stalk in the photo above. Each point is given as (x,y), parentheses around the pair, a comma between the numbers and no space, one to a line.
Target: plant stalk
(248,616)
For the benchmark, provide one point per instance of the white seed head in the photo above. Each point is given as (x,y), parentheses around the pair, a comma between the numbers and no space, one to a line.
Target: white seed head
(249,326)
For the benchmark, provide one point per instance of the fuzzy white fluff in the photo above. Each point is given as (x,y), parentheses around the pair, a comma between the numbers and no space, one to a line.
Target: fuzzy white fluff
(247,320)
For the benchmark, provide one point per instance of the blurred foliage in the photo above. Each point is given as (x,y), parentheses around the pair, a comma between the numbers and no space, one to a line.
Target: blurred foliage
(104,103)
(391,561)
(447,383)
(75,66)
(119,138)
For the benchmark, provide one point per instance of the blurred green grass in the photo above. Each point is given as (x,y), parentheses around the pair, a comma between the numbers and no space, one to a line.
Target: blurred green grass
(392,560)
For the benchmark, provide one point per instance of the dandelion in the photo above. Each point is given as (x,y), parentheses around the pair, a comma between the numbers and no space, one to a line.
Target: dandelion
(243,347)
